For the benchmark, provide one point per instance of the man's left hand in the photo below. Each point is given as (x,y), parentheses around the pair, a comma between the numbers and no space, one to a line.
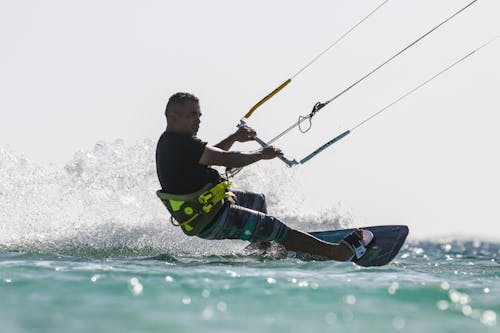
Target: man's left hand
(244,133)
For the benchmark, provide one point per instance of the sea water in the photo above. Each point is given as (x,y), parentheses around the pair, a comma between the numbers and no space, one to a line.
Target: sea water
(88,248)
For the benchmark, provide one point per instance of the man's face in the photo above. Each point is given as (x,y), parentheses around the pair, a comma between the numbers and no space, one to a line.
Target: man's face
(187,118)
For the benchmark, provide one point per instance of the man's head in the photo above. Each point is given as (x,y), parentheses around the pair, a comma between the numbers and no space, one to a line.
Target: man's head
(183,113)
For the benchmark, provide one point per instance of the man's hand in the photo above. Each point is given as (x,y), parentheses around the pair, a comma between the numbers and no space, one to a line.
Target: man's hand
(244,133)
(270,152)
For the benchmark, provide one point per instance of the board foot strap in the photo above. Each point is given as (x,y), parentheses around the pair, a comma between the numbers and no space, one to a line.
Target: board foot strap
(358,243)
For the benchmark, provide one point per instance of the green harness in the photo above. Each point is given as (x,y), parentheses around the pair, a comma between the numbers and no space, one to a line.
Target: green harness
(194,211)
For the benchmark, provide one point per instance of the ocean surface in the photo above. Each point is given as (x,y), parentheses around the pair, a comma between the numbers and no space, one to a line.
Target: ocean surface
(88,248)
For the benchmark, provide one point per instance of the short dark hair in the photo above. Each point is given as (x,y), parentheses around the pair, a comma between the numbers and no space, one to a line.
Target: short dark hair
(179,98)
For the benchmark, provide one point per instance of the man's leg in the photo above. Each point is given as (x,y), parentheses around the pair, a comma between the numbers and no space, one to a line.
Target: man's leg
(255,201)
(251,200)
(299,241)
(238,222)
(294,240)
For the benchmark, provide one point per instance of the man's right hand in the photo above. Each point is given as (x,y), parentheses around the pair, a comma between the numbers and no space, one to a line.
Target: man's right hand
(270,152)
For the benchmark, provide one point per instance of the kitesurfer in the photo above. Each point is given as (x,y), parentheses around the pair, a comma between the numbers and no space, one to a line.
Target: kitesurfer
(200,199)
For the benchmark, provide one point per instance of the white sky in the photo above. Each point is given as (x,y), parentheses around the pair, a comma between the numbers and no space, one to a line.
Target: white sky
(75,72)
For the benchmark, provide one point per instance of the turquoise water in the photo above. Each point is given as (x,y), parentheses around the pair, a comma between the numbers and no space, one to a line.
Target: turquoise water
(87,248)
(430,287)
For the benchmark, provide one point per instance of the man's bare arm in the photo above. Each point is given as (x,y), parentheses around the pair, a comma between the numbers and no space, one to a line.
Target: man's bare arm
(235,159)
(243,134)
(227,143)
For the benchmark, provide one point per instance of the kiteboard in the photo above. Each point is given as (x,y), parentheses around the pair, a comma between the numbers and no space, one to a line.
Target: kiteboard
(387,241)
(385,246)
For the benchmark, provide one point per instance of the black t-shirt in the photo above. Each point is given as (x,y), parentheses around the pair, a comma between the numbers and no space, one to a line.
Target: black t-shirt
(177,157)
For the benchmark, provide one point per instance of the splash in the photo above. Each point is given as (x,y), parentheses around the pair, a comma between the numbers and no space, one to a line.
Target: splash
(103,203)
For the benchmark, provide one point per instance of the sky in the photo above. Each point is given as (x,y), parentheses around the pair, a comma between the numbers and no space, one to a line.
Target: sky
(76,72)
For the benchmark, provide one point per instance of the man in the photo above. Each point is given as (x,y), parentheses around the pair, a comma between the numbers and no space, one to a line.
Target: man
(201,202)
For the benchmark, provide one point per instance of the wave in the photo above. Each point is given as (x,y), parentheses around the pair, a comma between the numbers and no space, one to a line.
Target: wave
(103,203)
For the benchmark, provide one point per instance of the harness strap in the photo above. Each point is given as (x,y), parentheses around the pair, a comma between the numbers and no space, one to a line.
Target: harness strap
(194,211)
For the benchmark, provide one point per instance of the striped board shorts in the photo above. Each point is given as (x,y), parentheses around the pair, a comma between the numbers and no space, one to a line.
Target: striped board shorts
(246,220)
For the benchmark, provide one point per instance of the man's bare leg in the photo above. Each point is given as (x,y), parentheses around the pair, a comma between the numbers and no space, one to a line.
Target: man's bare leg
(301,242)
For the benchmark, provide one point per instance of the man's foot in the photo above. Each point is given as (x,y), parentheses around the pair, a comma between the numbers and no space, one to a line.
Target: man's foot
(357,241)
